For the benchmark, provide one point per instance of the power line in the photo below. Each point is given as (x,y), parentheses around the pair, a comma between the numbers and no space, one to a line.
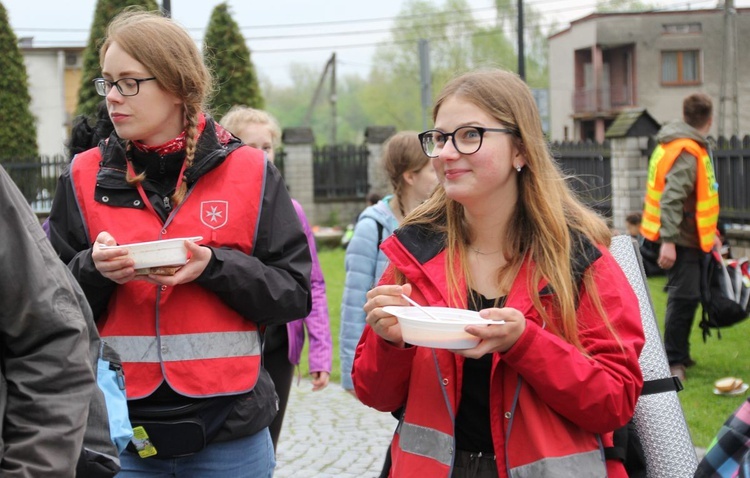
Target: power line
(508,30)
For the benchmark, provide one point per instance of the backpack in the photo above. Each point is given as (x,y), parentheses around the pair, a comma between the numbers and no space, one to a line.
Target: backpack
(108,428)
(721,296)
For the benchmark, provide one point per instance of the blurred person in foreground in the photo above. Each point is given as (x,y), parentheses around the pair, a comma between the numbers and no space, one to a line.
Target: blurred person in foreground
(556,370)
(190,339)
(283,344)
(46,378)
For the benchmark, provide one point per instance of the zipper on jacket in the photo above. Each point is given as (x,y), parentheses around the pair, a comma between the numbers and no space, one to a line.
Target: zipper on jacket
(117,368)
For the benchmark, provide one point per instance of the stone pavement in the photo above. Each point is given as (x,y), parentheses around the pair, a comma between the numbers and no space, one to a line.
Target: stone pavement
(330,434)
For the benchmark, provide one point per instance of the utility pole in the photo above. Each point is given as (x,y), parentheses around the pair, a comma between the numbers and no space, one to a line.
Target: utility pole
(330,65)
(425,79)
(729,64)
(521,54)
(333,98)
(166,7)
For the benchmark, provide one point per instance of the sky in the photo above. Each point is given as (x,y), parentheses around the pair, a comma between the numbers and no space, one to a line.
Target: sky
(285,32)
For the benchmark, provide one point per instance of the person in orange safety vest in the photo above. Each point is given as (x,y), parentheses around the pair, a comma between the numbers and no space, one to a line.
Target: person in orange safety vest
(681,211)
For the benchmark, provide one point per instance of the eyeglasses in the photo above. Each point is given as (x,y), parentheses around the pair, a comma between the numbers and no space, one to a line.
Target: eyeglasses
(126,86)
(466,139)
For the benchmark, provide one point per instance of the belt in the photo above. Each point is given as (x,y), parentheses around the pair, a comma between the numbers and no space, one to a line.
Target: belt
(466,456)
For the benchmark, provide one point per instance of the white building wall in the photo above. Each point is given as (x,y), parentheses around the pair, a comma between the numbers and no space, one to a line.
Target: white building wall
(45,69)
(664,103)
(562,76)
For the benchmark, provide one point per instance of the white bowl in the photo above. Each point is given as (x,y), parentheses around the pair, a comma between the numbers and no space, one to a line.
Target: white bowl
(447,332)
(167,252)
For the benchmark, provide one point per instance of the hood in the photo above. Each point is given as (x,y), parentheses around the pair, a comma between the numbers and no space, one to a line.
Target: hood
(680,130)
(381,213)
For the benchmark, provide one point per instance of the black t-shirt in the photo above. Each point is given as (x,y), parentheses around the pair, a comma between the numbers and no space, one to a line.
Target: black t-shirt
(473,431)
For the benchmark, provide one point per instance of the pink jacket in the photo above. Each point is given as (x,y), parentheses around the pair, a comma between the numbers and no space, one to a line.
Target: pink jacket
(317,323)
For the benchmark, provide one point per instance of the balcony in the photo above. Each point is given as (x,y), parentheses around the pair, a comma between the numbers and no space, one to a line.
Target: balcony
(605,99)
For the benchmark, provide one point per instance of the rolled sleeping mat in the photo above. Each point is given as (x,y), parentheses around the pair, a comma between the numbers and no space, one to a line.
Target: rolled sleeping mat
(659,419)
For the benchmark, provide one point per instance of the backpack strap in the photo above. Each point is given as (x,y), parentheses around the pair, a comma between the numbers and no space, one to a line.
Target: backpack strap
(380,233)
(660,385)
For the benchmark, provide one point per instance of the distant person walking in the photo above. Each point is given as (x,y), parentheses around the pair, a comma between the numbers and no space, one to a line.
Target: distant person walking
(681,211)
(413,180)
(284,343)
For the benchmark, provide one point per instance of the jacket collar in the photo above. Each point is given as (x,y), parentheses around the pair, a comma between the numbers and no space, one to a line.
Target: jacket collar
(421,245)
(210,153)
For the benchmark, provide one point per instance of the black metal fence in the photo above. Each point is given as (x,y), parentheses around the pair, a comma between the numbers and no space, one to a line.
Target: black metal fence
(37,179)
(588,170)
(732,162)
(340,172)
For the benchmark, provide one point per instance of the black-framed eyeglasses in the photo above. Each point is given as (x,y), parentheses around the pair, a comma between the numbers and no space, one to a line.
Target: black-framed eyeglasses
(126,86)
(466,139)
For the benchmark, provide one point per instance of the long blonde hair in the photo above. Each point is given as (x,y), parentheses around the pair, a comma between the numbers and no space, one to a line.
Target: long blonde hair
(170,54)
(547,211)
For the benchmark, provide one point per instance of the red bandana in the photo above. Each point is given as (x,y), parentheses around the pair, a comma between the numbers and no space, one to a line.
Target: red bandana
(178,143)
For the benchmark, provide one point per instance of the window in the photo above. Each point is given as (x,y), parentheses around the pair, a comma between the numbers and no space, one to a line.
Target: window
(677,28)
(680,67)
(72,60)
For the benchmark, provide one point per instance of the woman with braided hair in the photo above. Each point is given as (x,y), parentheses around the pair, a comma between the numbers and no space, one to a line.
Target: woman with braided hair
(199,399)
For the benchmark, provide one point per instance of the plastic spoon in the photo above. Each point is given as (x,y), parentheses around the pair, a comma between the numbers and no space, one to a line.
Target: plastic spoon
(409,300)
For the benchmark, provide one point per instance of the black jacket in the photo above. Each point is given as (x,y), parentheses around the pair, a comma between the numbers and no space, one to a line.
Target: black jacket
(271,285)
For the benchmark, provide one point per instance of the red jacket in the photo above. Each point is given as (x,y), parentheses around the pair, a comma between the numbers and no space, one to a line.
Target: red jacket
(184,334)
(553,409)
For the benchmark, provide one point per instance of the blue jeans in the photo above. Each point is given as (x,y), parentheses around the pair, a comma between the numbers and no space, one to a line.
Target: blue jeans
(247,457)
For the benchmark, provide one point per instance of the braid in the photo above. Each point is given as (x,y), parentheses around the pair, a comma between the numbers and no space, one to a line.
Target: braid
(191,143)
(398,189)
(129,178)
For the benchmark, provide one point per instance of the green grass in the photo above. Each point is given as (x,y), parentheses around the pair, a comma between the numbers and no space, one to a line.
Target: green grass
(704,411)
(716,358)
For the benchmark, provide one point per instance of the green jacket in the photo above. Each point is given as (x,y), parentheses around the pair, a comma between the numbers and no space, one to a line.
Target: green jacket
(678,201)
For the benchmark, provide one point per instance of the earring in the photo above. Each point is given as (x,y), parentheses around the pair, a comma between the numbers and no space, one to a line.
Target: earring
(519,167)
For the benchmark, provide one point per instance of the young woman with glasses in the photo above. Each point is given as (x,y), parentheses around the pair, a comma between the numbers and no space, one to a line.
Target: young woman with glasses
(190,339)
(503,234)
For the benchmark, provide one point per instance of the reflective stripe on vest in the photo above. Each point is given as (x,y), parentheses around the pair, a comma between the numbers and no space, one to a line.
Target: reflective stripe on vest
(589,464)
(147,349)
(434,444)
(426,442)
(706,190)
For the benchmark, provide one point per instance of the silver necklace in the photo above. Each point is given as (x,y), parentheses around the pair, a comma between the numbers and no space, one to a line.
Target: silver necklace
(484,253)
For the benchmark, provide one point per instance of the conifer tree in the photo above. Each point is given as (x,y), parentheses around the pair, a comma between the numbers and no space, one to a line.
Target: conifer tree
(228,57)
(18,128)
(104,12)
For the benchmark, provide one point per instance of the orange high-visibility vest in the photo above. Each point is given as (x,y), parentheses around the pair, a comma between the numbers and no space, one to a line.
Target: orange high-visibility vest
(706,190)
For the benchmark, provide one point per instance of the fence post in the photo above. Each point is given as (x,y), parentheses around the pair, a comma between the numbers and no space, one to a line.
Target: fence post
(298,168)
(375,137)
(629,172)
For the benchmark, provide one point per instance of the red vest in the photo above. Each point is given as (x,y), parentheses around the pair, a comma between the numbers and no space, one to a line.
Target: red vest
(184,334)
